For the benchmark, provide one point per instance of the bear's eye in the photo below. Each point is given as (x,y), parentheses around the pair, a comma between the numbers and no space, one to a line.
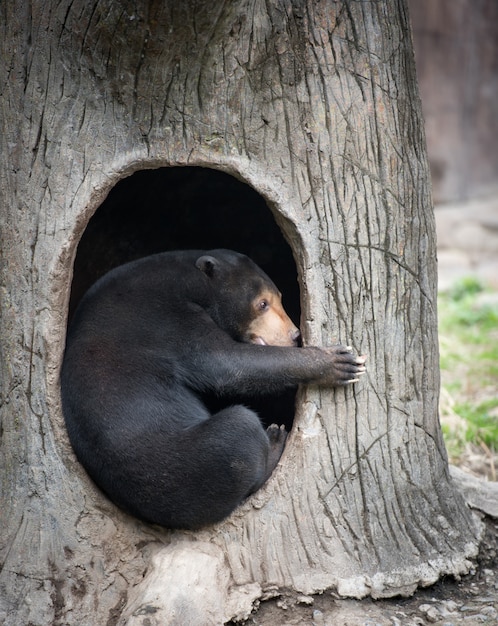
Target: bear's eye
(263,305)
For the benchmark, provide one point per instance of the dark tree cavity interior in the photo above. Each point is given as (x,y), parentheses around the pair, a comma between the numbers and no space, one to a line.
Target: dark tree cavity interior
(173,208)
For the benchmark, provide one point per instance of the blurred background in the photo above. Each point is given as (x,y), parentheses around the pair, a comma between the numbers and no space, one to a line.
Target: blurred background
(456,50)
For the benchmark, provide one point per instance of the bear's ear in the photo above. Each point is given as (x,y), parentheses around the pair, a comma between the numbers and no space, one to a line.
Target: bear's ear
(206,264)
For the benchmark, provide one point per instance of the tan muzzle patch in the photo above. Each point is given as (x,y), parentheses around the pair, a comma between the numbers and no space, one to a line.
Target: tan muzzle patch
(271,326)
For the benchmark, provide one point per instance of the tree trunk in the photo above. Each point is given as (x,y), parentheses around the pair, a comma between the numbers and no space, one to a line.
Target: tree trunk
(315,105)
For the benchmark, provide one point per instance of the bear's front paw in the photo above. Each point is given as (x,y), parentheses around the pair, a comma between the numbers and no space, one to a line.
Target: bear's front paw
(346,367)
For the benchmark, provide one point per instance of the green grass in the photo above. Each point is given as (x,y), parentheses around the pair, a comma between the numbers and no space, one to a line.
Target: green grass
(468,339)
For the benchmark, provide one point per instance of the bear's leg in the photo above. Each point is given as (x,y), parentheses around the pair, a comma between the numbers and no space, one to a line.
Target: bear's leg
(234,457)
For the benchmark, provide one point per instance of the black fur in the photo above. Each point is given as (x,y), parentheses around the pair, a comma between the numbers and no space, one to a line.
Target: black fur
(147,341)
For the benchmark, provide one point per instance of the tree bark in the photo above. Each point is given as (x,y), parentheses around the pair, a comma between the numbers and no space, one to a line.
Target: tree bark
(315,105)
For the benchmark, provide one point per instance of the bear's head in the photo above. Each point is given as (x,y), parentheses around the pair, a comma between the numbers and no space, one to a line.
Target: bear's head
(244,300)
